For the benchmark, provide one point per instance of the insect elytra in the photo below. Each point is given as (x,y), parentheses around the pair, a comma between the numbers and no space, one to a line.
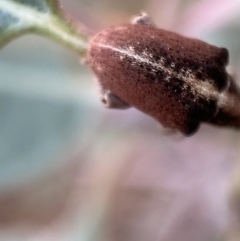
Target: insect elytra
(179,81)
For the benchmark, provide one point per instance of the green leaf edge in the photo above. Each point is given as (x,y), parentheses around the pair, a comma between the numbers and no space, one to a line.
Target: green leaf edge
(61,28)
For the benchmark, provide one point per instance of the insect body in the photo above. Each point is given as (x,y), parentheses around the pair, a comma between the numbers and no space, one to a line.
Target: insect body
(179,81)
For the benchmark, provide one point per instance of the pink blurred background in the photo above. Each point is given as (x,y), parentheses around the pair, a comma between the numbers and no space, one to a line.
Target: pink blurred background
(72,170)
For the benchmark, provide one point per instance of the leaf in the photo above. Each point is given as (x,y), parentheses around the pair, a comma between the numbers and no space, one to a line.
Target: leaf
(19,16)
(44,17)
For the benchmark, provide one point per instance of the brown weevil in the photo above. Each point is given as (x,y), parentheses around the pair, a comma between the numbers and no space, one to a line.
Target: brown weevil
(179,81)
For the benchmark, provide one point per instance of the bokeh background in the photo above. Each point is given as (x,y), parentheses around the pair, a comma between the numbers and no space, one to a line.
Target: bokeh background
(71,170)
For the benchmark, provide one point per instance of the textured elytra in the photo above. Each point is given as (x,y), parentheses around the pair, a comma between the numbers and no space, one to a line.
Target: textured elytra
(176,80)
(229,111)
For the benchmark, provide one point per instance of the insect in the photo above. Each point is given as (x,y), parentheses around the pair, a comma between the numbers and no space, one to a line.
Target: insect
(179,81)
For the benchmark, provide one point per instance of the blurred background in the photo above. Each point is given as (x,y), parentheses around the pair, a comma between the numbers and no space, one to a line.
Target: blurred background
(71,170)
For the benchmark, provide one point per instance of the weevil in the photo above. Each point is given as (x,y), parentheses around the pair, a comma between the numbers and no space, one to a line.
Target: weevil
(177,80)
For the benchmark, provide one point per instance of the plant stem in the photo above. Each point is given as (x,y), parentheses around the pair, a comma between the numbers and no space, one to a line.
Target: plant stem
(65,32)
(52,23)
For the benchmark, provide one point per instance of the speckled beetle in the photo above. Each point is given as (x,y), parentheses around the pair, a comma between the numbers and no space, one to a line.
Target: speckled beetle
(179,81)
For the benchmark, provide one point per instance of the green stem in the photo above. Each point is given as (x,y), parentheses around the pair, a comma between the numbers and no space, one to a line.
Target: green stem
(66,33)
(52,23)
